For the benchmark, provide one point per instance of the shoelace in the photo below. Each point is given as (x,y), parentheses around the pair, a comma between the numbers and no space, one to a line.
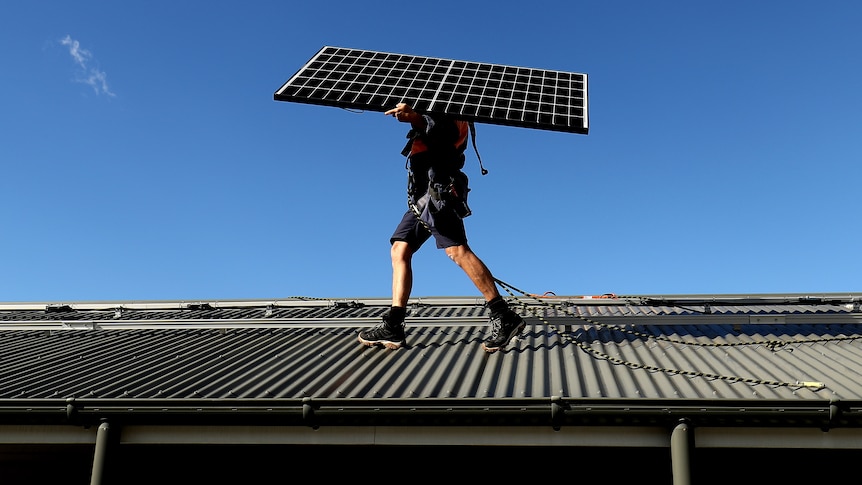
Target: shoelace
(496,327)
(384,327)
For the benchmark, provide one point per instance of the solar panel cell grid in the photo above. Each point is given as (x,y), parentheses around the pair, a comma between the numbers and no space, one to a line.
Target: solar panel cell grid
(489,93)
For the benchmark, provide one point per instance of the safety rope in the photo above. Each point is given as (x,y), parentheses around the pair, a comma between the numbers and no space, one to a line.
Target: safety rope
(772,344)
(573,337)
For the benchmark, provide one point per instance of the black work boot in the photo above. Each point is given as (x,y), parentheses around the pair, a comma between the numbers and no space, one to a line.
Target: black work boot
(505,324)
(388,334)
(503,327)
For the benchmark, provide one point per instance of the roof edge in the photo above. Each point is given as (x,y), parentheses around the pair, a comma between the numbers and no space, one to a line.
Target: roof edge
(556,412)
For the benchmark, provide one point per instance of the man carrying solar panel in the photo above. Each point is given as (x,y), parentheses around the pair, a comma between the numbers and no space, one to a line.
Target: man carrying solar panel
(437,192)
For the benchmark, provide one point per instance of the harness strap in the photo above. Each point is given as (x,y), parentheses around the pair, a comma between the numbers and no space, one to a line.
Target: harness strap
(413,134)
(476,149)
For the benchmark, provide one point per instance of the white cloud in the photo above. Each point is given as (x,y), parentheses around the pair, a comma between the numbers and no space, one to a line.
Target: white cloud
(89,75)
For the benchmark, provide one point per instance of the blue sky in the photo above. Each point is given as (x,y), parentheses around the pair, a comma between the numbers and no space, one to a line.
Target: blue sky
(144,157)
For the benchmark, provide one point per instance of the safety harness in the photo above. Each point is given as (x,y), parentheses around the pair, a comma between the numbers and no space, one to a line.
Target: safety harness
(448,189)
(412,135)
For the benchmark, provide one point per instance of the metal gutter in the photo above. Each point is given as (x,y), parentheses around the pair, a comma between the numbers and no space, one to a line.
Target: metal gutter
(556,412)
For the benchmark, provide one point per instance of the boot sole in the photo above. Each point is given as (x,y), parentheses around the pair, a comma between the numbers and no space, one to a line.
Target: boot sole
(386,343)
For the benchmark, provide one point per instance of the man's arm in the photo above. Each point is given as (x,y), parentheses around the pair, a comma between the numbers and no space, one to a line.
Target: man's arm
(438,131)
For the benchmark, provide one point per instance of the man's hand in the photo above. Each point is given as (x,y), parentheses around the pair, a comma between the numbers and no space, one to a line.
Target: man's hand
(405,114)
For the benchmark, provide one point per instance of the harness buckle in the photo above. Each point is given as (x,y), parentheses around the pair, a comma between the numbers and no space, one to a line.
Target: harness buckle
(411,135)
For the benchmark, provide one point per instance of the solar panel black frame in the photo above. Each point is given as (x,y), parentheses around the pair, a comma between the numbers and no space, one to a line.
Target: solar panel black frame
(474,91)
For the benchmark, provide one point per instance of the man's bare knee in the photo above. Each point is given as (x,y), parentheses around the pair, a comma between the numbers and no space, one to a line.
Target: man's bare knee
(400,251)
(456,253)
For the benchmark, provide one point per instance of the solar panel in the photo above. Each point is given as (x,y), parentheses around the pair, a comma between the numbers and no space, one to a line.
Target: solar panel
(474,91)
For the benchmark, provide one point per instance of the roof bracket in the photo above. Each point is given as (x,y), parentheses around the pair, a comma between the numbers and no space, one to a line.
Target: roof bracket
(347,304)
(200,306)
(308,413)
(834,414)
(415,306)
(558,412)
(59,307)
(71,410)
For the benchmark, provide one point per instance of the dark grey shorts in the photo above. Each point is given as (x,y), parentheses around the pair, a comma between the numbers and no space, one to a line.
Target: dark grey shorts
(446,227)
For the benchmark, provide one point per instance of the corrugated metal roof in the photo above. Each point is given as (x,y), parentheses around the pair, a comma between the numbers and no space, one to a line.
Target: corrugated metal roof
(713,348)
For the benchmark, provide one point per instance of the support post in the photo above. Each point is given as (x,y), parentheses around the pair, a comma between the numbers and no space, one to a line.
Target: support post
(681,444)
(102,439)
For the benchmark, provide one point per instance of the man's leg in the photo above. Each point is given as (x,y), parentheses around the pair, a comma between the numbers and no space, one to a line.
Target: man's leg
(390,333)
(476,270)
(505,323)
(402,273)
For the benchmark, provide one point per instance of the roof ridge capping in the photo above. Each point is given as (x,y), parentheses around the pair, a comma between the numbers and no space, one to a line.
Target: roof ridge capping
(189,304)
(851,300)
